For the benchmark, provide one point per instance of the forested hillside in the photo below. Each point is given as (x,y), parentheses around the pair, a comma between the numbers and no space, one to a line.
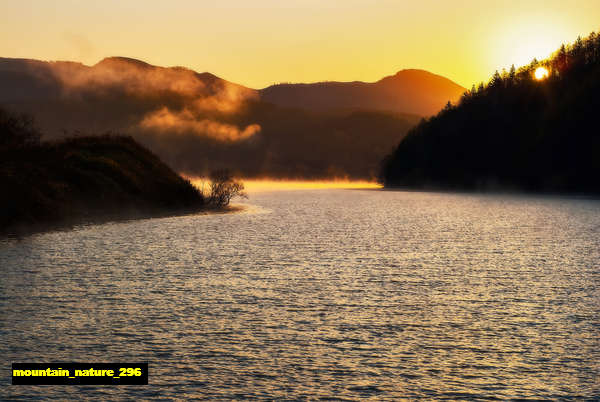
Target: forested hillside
(534,129)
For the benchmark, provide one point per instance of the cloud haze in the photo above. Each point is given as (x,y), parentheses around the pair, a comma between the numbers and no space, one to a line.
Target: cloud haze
(167,121)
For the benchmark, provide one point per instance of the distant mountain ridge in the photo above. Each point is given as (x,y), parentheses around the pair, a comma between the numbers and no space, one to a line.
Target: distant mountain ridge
(408,91)
(34,79)
(197,121)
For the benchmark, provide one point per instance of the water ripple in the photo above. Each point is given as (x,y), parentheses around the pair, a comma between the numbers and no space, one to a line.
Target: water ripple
(327,294)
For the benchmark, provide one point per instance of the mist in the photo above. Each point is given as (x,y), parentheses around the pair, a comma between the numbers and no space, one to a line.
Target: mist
(167,121)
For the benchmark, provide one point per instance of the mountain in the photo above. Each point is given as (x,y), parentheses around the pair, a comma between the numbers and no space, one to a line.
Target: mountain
(34,79)
(408,91)
(114,94)
(515,133)
(197,121)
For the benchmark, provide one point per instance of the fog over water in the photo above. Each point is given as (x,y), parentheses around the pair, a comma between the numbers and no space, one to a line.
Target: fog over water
(327,293)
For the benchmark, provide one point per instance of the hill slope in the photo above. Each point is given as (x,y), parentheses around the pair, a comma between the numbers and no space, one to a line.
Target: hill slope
(53,183)
(409,91)
(514,133)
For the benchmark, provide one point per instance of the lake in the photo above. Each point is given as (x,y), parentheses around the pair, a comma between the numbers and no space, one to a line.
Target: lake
(308,294)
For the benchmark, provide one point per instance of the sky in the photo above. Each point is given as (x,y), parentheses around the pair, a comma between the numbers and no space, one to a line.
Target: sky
(261,42)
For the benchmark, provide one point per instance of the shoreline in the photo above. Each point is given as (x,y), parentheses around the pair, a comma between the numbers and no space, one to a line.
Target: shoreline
(495,192)
(20,231)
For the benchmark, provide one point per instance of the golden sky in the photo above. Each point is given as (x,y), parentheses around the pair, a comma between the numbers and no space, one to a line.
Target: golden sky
(261,42)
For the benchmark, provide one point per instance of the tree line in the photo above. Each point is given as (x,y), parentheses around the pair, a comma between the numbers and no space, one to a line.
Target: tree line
(513,132)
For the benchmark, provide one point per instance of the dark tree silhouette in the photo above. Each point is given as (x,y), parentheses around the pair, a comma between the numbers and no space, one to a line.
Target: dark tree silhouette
(223,187)
(515,133)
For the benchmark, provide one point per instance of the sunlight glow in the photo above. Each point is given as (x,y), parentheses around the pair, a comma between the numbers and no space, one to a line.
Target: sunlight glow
(541,73)
(279,41)
(284,185)
(287,185)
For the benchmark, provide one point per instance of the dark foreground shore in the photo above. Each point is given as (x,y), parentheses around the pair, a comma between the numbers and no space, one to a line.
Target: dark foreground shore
(89,180)
(19,231)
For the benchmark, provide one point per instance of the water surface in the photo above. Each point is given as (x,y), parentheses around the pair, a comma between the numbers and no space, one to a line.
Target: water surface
(319,294)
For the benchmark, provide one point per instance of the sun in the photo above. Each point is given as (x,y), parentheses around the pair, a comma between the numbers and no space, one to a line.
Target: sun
(541,73)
